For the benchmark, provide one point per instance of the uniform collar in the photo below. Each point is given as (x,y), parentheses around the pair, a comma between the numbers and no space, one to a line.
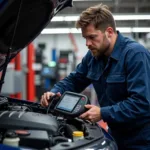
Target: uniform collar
(117,50)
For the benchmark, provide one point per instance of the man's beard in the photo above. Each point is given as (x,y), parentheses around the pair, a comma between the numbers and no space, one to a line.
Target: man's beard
(99,52)
(104,49)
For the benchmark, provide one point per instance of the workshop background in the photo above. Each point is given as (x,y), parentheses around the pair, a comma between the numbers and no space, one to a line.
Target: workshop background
(60,47)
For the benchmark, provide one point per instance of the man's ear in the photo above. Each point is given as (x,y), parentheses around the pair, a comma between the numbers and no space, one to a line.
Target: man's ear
(109,32)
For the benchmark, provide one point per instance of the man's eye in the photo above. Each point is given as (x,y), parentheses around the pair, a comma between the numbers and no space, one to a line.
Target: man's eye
(92,37)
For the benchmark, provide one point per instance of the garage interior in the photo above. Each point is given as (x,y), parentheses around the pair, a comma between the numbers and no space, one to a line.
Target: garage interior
(60,46)
(49,58)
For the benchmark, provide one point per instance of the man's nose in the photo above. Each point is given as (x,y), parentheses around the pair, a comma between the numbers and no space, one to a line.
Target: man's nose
(88,42)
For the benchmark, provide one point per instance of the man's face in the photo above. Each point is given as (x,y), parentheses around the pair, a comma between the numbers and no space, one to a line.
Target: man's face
(96,41)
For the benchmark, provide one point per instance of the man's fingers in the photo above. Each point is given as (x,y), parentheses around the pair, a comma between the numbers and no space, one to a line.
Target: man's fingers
(84,115)
(48,95)
(43,102)
(46,98)
(58,94)
(88,106)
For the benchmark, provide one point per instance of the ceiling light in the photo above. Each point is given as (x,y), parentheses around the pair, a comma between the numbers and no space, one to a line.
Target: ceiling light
(125,29)
(65,18)
(74,30)
(131,17)
(58,18)
(116,17)
(56,31)
(141,29)
(90,0)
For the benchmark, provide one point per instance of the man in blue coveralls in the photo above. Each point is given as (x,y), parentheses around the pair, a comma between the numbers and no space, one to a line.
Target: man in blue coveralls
(119,69)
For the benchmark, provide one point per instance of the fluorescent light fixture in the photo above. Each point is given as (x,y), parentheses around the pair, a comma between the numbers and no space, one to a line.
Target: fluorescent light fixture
(64,18)
(58,18)
(73,18)
(60,31)
(124,29)
(131,17)
(74,30)
(56,31)
(116,17)
(89,0)
(136,29)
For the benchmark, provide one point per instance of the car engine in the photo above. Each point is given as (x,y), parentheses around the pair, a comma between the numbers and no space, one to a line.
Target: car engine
(38,128)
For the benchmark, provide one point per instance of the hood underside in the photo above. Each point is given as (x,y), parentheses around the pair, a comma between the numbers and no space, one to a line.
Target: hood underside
(22,21)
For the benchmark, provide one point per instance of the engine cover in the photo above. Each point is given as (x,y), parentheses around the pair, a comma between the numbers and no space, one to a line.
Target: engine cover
(28,121)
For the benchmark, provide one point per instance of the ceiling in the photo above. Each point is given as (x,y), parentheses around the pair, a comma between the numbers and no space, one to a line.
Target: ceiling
(116,7)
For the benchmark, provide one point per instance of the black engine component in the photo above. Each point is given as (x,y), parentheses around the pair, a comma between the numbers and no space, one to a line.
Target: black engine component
(35,139)
(28,120)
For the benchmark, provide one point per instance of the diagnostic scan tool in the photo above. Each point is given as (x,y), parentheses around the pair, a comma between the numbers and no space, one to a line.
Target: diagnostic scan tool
(72,104)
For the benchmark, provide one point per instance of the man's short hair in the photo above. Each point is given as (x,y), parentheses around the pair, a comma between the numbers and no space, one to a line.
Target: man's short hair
(99,16)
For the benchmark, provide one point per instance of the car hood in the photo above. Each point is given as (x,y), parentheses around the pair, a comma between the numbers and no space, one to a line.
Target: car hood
(21,21)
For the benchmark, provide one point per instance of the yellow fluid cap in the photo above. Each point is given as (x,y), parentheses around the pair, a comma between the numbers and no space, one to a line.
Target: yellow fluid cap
(77,133)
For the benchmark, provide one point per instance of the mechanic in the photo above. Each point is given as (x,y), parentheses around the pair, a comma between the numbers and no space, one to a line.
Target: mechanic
(119,69)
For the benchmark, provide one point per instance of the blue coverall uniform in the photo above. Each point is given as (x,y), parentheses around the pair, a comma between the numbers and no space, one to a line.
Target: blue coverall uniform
(123,90)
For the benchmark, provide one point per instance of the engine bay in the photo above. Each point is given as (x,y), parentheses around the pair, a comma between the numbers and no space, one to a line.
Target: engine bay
(29,124)
(44,128)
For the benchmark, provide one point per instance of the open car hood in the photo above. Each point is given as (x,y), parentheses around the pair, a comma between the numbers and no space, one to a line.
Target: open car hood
(21,21)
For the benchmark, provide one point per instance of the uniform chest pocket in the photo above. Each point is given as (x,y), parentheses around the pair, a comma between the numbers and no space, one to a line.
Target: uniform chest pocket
(116,79)
(116,88)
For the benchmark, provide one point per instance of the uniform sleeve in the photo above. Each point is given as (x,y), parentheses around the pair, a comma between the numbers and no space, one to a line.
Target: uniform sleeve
(76,81)
(137,103)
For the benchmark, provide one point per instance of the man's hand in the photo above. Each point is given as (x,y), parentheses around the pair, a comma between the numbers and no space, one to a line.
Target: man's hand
(93,114)
(46,98)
